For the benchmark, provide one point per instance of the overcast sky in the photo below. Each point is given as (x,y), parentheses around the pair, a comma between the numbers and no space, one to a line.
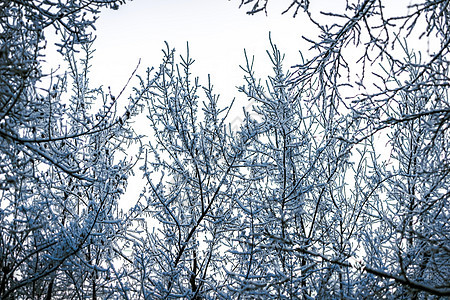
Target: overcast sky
(217,32)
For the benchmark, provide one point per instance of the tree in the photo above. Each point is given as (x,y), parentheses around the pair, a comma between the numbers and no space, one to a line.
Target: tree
(60,172)
(317,209)
(300,202)
(415,186)
(298,209)
(258,6)
(191,167)
(391,93)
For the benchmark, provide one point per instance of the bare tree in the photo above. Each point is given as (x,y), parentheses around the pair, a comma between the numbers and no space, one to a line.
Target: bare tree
(413,196)
(191,165)
(335,185)
(317,208)
(298,197)
(60,173)
(258,6)
(397,101)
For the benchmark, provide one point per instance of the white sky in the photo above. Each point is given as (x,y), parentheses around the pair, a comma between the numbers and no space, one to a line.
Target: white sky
(217,32)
